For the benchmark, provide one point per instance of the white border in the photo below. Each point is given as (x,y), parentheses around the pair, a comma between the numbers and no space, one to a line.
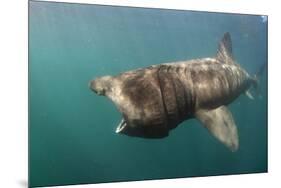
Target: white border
(13,92)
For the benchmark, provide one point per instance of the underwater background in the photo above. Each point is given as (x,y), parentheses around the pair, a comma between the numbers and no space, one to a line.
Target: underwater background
(72,137)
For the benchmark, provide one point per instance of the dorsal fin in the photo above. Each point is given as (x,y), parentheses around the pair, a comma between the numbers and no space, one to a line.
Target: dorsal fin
(224,53)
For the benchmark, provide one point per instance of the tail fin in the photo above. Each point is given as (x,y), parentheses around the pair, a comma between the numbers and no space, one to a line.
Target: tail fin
(255,82)
(257,76)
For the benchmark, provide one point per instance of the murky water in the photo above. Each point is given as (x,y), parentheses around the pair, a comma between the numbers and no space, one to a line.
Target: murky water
(72,130)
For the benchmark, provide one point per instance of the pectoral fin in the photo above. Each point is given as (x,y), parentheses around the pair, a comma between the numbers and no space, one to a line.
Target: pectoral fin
(220,123)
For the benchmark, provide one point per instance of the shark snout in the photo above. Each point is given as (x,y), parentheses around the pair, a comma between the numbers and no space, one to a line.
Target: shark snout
(100,85)
(92,85)
(96,87)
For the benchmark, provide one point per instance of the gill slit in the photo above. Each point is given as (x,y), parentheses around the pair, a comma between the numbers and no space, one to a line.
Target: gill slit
(162,96)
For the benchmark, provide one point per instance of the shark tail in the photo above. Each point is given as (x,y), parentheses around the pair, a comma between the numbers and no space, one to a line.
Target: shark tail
(257,76)
(255,81)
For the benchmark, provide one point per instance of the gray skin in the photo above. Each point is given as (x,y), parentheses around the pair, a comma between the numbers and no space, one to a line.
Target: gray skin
(158,98)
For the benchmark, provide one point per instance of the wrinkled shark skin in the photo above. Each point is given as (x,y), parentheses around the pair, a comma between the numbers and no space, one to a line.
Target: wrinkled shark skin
(158,98)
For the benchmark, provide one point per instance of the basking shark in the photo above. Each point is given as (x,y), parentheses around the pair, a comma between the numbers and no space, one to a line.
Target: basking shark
(156,99)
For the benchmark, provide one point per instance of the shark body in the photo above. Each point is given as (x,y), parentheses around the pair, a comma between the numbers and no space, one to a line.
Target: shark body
(156,99)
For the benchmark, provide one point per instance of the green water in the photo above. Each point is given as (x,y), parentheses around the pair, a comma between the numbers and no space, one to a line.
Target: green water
(72,135)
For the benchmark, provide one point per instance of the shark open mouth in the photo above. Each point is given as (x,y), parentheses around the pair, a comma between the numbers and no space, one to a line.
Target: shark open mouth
(122,125)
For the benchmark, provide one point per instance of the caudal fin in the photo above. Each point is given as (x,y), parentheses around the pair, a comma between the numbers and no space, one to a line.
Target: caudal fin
(258,74)
(256,80)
